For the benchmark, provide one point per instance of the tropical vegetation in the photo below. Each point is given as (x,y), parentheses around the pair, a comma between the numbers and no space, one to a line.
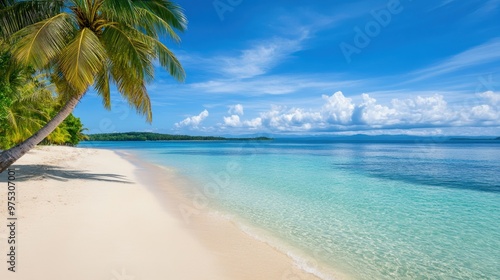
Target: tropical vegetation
(90,44)
(27,103)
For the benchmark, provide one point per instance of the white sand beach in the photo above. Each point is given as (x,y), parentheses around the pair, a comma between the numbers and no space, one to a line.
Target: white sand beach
(92,214)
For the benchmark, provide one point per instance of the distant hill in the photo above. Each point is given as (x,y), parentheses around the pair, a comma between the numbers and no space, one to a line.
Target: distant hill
(473,139)
(149,136)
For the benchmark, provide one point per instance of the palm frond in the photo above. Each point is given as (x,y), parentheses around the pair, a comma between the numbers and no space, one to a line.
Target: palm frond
(102,86)
(118,10)
(137,97)
(133,90)
(63,88)
(82,59)
(165,56)
(168,61)
(6,3)
(39,43)
(166,10)
(81,4)
(153,25)
(128,53)
(11,118)
(15,15)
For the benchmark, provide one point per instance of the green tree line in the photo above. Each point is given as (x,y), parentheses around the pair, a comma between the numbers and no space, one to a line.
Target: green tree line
(150,136)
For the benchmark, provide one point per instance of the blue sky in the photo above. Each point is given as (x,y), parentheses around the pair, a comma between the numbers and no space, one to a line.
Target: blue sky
(324,67)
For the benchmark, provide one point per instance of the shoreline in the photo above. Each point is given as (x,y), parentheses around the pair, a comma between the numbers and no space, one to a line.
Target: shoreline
(91,214)
(223,235)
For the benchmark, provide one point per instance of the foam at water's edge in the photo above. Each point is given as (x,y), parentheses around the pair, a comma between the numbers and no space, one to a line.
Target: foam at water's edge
(306,264)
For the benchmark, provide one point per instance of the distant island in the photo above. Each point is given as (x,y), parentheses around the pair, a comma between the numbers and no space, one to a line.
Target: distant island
(150,136)
(473,139)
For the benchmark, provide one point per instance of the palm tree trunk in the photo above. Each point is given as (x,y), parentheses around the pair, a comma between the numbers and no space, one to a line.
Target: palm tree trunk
(8,157)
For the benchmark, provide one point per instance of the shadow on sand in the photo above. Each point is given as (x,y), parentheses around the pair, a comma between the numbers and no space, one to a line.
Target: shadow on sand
(26,172)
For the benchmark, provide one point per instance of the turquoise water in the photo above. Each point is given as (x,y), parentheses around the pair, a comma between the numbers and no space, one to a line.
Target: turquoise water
(369,211)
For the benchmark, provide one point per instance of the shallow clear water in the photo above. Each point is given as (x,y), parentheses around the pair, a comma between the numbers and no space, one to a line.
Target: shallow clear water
(371,211)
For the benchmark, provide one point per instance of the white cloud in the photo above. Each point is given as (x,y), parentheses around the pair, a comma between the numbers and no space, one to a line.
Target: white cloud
(482,54)
(484,113)
(337,109)
(431,110)
(260,58)
(193,121)
(253,123)
(274,85)
(232,121)
(493,98)
(236,109)
(487,8)
(340,113)
(294,119)
(488,113)
(371,113)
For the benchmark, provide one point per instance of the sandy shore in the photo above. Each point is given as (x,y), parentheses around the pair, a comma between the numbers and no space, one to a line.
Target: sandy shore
(93,214)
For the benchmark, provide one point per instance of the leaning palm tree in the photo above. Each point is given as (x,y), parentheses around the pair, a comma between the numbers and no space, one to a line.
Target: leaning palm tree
(87,44)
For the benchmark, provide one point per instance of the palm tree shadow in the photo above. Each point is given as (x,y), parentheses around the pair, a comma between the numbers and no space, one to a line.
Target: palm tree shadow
(27,172)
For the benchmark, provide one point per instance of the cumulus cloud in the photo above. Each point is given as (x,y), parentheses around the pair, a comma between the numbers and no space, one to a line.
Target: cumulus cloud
(484,113)
(371,113)
(193,121)
(492,97)
(253,123)
(340,113)
(337,109)
(232,121)
(431,110)
(294,119)
(236,109)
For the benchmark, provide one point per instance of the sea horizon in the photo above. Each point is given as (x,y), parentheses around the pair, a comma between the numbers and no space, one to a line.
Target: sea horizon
(385,210)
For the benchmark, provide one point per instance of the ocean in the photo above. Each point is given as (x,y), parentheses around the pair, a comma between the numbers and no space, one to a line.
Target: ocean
(392,210)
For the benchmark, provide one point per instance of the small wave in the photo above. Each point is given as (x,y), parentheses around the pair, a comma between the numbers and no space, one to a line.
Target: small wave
(306,264)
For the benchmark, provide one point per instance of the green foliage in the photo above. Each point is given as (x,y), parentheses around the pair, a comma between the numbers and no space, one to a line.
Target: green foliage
(5,87)
(27,104)
(70,132)
(5,103)
(149,136)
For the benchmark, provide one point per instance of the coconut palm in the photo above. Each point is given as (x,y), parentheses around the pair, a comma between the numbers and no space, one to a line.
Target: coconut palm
(91,44)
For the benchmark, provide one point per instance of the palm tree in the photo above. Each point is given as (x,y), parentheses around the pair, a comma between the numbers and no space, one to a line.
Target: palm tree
(91,43)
